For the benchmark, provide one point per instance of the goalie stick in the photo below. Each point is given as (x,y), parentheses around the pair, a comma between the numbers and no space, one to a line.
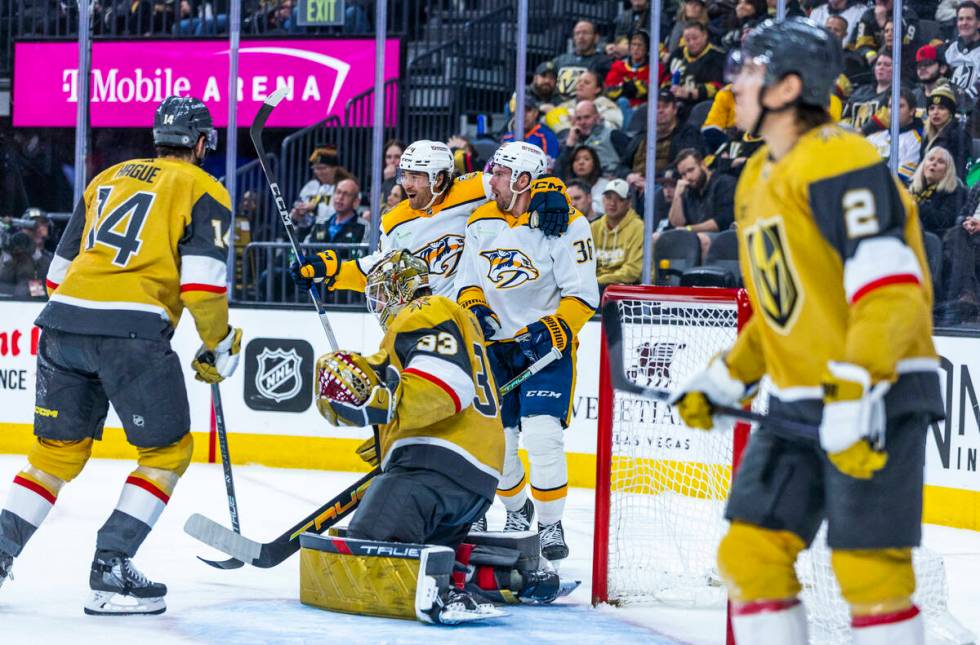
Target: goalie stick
(255,132)
(613,327)
(269,554)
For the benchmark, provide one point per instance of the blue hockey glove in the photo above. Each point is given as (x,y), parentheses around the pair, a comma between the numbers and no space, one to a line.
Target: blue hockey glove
(549,208)
(539,337)
(488,320)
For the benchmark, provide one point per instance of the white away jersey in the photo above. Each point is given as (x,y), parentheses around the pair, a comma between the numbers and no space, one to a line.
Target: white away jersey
(524,274)
(964,65)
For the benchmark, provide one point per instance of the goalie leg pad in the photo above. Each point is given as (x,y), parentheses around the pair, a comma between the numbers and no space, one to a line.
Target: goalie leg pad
(757,564)
(875,582)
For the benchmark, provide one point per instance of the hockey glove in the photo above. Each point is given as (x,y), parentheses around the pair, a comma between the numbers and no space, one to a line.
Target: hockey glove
(852,430)
(349,392)
(214,366)
(539,337)
(550,208)
(714,385)
(321,266)
(368,451)
(473,300)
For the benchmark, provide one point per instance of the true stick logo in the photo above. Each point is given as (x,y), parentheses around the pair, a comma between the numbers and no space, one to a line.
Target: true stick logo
(278,374)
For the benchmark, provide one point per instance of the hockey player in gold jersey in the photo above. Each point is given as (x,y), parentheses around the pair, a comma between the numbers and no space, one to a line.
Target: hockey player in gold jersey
(146,240)
(431,222)
(831,250)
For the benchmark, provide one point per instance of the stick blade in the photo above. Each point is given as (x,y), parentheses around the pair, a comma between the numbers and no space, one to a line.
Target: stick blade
(221,538)
(230,563)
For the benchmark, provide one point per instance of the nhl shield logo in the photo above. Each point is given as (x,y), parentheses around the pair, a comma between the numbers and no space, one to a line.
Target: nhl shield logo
(278,376)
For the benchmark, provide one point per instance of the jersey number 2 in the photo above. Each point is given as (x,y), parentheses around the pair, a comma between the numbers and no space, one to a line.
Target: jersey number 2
(106,229)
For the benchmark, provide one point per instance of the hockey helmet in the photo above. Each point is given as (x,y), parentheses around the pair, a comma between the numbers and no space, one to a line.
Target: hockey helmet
(393,283)
(433,158)
(794,46)
(521,158)
(180,120)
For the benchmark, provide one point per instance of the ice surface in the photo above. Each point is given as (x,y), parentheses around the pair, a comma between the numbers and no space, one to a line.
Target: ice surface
(43,604)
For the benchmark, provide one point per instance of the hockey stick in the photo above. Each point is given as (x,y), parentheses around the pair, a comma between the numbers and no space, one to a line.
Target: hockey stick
(617,375)
(219,423)
(269,554)
(535,367)
(255,132)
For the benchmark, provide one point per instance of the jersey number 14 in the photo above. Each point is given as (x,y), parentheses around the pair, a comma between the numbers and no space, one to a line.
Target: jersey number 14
(120,228)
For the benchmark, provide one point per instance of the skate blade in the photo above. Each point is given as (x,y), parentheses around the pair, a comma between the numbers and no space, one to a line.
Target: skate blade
(453,616)
(108,603)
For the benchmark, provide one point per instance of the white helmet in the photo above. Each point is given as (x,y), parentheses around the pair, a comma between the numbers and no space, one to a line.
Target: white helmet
(431,157)
(521,158)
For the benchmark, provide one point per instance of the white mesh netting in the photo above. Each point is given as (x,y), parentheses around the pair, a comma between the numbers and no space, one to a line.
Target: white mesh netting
(669,483)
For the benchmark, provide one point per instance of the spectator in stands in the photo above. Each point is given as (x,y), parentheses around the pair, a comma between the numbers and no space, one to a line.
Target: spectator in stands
(634,18)
(543,87)
(704,202)
(393,197)
(673,135)
(961,261)
(343,226)
(662,199)
(534,131)
(585,56)
(868,99)
(580,194)
(748,13)
(582,162)
(871,25)
(313,205)
(628,80)
(878,132)
(465,154)
(848,12)
(793,8)
(938,191)
(963,54)
(689,11)
(697,68)
(589,88)
(618,237)
(931,73)
(24,261)
(279,18)
(392,155)
(589,129)
(942,129)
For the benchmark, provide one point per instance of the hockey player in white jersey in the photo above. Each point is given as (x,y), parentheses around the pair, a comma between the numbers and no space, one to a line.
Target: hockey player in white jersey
(430,223)
(533,292)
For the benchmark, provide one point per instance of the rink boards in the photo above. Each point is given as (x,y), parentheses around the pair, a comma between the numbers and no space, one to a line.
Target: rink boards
(272,419)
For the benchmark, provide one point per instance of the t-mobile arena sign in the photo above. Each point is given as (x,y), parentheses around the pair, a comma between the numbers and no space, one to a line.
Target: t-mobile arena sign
(129,79)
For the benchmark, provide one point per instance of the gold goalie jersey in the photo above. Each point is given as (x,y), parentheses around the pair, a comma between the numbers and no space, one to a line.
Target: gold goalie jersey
(447,417)
(831,250)
(147,239)
(435,236)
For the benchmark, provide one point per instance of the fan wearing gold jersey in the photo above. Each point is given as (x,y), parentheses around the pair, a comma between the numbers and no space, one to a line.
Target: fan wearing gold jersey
(431,222)
(146,240)
(832,251)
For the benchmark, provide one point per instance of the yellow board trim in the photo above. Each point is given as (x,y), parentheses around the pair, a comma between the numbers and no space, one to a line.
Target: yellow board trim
(944,506)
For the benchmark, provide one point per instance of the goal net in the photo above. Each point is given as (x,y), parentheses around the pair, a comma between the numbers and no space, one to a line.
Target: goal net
(661,487)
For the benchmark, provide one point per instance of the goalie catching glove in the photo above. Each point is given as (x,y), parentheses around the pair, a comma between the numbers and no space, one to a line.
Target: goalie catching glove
(215,365)
(316,268)
(350,392)
(714,385)
(852,430)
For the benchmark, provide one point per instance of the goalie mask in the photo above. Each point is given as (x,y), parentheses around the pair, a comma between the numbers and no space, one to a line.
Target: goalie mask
(393,283)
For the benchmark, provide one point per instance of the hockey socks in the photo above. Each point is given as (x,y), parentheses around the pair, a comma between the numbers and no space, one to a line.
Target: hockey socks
(545,443)
(512,489)
(144,496)
(769,621)
(29,501)
(903,626)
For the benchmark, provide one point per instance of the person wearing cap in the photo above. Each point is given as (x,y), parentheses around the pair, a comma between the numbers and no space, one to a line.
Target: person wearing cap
(585,56)
(535,132)
(618,237)
(543,88)
(850,11)
(931,72)
(313,205)
(944,130)
(704,201)
(963,54)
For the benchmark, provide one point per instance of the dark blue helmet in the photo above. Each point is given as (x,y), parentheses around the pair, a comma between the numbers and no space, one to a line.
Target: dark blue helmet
(180,121)
(797,46)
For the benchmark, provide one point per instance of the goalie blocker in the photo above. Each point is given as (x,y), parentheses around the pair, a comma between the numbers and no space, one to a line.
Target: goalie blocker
(433,584)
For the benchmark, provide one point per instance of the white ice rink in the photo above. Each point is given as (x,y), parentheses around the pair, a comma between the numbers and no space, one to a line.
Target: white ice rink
(43,604)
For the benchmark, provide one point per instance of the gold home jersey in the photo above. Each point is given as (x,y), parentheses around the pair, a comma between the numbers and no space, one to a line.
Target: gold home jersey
(147,238)
(447,419)
(435,236)
(832,254)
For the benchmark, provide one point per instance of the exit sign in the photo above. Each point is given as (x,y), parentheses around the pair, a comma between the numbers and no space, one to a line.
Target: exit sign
(321,13)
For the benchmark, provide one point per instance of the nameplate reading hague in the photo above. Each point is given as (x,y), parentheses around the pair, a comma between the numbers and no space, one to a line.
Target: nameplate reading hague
(321,13)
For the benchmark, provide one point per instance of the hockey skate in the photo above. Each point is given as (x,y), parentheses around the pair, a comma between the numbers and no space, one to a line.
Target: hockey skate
(119,589)
(553,545)
(454,606)
(6,565)
(520,520)
(479,526)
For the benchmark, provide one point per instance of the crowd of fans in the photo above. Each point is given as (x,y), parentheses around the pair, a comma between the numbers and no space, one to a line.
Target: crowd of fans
(587,109)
